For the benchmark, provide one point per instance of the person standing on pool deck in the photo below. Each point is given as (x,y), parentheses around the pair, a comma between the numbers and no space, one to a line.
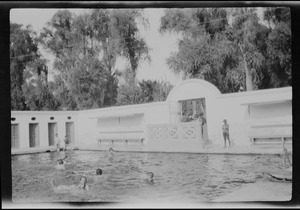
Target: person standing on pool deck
(202,120)
(57,142)
(225,129)
(66,140)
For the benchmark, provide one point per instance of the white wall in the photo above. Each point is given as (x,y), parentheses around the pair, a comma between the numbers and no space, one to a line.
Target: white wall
(23,119)
(279,112)
(232,107)
(89,126)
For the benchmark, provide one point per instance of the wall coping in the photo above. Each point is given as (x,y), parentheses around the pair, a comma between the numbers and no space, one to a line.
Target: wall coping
(258,92)
(45,112)
(208,85)
(124,107)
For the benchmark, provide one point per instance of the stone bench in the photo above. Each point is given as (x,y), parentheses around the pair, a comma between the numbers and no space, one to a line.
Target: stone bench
(271,135)
(124,136)
(271,139)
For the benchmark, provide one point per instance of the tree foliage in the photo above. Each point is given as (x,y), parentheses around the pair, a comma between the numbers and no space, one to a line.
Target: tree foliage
(132,46)
(229,54)
(145,91)
(279,47)
(86,48)
(23,50)
(35,88)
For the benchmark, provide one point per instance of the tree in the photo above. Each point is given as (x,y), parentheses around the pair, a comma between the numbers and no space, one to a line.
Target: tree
(117,33)
(204,50)
(86,47)
(250,38)
(161,90)
(129,94)
(229,54)
(35,87)
(145,91)
(279,46)
(133,47)
(89,84)
(74,42)
(62,94)
(23,50)
(57,37)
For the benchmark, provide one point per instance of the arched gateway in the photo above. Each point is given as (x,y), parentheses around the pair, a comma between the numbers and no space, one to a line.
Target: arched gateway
(191,104)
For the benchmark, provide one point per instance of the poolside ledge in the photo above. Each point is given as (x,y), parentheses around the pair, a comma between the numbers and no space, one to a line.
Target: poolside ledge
(260,191)
(212,149)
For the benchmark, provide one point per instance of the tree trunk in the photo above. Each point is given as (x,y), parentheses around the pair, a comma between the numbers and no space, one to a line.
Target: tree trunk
(249,83)
(102,95)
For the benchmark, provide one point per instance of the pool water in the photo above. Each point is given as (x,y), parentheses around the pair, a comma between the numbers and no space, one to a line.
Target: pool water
(178,177)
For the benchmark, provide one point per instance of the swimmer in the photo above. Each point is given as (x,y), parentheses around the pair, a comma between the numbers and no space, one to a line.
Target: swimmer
(89,172)
(150,176)
(60,165)
(65,160)
(147,178)
(83,183)
(70,188)
(111,152)
(98,171)
(97,178)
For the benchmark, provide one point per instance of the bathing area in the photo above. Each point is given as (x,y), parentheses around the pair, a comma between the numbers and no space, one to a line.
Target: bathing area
(178,177)
(211,176)
(187,155)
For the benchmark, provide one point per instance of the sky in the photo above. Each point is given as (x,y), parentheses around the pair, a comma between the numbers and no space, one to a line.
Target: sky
(161,45)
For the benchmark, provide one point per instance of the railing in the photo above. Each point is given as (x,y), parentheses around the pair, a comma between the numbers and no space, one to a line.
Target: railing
(174,131)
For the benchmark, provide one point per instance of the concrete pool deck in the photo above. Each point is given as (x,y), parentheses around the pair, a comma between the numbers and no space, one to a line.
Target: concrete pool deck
(260,191)
(211,149)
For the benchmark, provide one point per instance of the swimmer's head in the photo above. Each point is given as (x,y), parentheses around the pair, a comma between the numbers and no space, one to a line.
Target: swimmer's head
(110,149)
(150,174)
(225,121)
(60,161)
(98,171)
(83,180)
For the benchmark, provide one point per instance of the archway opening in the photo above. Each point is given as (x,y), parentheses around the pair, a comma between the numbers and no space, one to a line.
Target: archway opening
(194,110)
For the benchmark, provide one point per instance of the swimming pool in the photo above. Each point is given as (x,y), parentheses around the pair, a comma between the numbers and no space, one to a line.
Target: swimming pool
(178,177)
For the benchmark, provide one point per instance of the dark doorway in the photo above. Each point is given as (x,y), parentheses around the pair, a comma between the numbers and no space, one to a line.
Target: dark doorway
(15,136)
(70,132)
(52,130)
(34,135)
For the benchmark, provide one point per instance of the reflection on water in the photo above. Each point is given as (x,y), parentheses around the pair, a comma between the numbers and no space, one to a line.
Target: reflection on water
(177,177)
